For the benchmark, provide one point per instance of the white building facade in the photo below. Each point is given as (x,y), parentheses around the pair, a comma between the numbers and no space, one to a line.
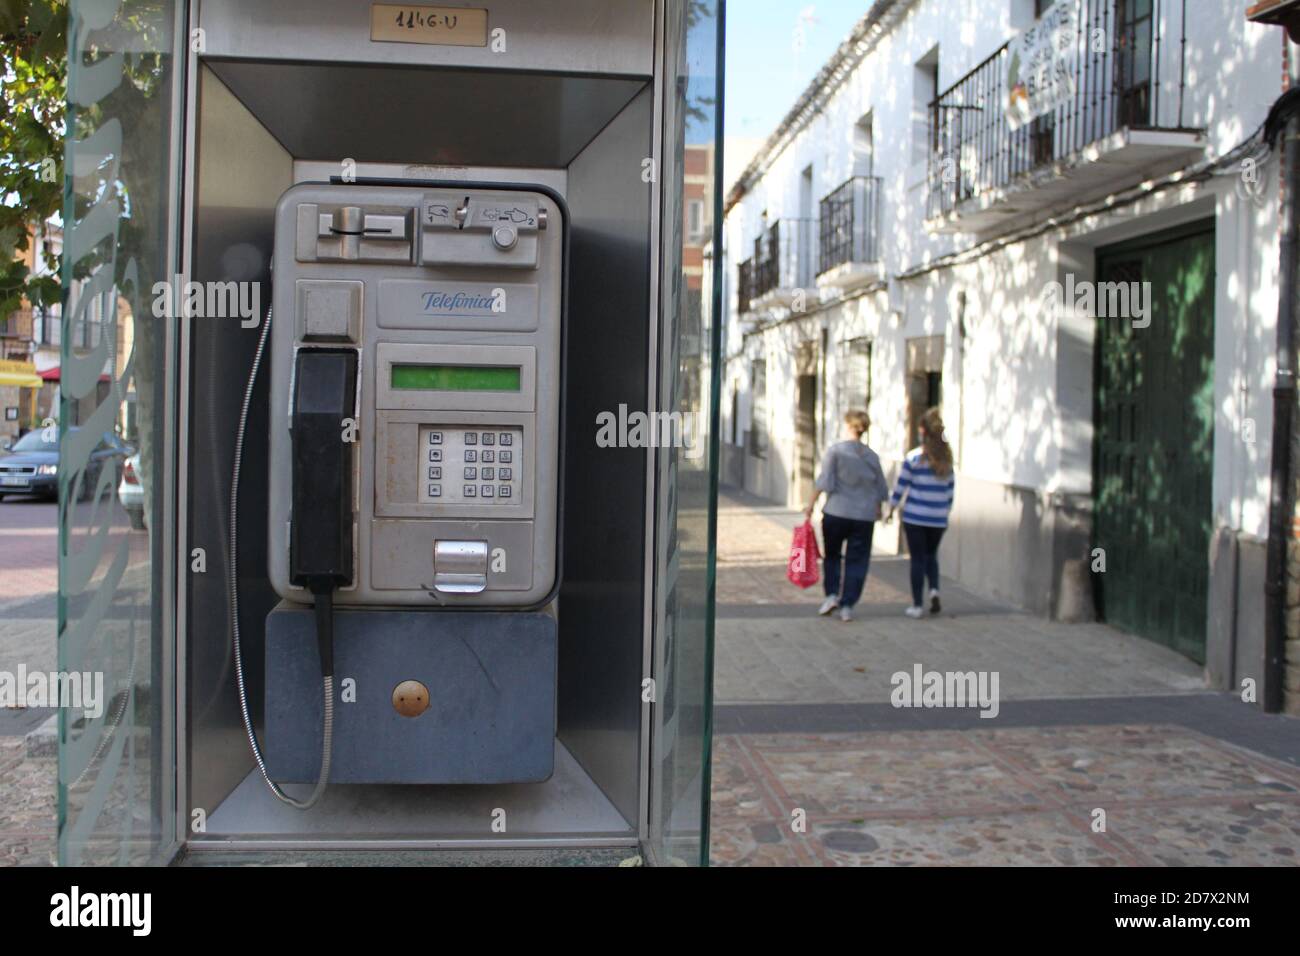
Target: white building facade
(912,236)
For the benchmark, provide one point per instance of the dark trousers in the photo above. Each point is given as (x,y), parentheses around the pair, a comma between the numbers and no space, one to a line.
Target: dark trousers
(923,546)
(836,534)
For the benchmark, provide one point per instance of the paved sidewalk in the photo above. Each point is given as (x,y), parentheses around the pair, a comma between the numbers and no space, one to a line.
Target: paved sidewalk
(771,646)
(29,545)
(814,766)
(29,577)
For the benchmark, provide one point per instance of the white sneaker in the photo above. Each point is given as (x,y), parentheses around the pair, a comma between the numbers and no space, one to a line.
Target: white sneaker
(830,604)
(935,606)
(915,612)
(846,614)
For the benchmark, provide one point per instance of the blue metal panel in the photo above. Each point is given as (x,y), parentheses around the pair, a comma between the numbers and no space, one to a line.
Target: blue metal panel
(491,681)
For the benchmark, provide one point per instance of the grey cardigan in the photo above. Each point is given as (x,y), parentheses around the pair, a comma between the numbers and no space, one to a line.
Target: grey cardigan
(853,481)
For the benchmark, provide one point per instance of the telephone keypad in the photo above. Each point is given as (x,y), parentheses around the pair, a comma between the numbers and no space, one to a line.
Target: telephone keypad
(465,451)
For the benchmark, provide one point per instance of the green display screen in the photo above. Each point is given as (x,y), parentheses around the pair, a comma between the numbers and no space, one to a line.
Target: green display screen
(457,378)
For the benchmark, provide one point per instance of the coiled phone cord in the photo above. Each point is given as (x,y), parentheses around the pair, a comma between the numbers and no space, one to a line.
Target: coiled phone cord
(233,586)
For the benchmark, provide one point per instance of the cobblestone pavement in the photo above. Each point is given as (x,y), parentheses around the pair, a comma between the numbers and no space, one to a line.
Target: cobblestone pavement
(813,766)
(1022,796)
(27,811)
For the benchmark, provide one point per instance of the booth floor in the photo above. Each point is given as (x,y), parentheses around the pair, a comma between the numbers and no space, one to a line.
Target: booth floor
(568,807)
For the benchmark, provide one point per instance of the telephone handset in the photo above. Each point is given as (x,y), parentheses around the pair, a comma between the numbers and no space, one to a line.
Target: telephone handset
(415,394)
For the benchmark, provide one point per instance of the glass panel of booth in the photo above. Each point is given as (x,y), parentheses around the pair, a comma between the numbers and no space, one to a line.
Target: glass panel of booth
(686,485)
(116,800)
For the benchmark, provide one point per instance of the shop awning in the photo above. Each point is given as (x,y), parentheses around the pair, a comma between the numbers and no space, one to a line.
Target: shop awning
(21,374)
(52,375)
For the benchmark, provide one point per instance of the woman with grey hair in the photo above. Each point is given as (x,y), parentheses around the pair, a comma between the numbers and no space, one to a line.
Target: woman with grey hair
(855,489)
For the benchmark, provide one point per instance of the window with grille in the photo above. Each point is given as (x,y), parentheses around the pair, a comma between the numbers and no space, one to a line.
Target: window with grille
(853,381)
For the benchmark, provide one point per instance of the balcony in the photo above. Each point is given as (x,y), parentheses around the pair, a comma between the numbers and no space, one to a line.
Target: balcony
(849,235)
(1122,117)
(784,263)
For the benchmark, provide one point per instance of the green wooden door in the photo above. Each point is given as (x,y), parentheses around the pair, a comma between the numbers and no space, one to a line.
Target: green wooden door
(1154,447)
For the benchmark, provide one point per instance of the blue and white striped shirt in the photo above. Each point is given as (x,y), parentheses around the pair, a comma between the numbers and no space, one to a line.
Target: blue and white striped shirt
(929,497)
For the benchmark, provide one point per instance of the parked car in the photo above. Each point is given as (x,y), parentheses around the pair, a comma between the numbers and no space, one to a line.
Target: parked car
(130,491)
(31,465)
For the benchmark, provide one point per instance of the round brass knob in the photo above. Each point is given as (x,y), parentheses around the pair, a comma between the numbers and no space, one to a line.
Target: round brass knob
(410,698)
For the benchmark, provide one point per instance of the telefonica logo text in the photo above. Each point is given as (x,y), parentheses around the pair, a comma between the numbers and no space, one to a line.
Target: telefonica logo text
(922,688)
(83,691)
(651,430)
(133,910)
(465,303)
(208,300)
(1101,300)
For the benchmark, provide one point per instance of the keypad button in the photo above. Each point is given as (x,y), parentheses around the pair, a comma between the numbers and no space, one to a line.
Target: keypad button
(435,473)
(506,473)
(507,438)
(505,457)
(505,491)
(471,474)
(435,491)
(471,438)
(489,474)
(471,491)
(489,438)
(488,491)
(471,455)
(435,438)
(488,456)
(435,454)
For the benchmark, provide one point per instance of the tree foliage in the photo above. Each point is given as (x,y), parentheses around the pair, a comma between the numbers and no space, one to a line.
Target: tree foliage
(33,85)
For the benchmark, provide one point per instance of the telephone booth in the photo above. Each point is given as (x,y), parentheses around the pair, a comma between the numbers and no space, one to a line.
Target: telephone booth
(383,174)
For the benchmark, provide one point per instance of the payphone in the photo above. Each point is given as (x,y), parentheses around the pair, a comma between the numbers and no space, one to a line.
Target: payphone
(415,393)
(416,365)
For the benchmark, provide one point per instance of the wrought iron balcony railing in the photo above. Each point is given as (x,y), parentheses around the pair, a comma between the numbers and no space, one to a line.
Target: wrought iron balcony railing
(49,327)
(1124,67)
(850,224)
(745,287)
(785,256)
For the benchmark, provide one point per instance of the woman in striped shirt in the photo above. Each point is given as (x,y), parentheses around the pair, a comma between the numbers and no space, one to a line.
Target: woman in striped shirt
(927,482)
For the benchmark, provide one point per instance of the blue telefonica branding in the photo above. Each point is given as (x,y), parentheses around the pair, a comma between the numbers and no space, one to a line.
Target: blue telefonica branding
(464,303)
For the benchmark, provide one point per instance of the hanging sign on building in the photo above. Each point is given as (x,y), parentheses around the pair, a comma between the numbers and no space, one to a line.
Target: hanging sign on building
(1042,65)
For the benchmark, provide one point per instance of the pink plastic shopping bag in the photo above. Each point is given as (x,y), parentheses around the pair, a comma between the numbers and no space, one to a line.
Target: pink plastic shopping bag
(804,555)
